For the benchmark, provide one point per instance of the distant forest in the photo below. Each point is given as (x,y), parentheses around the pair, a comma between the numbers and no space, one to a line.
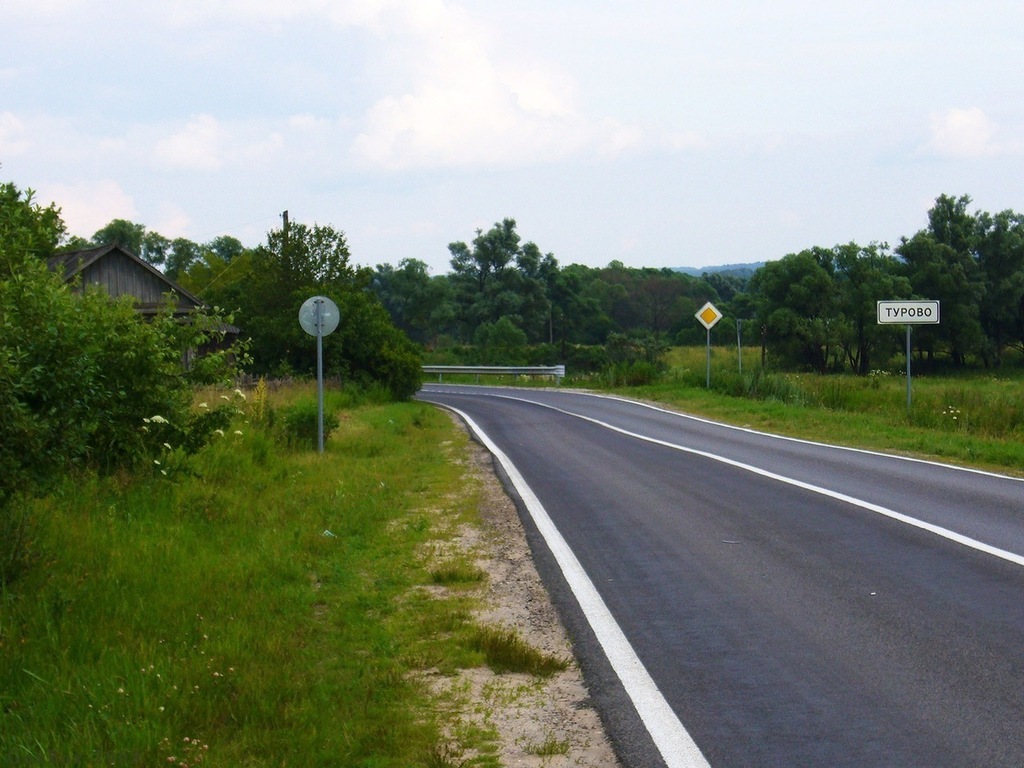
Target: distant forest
(505,300)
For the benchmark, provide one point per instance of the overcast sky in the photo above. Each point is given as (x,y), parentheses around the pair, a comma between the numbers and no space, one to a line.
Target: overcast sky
(654,132)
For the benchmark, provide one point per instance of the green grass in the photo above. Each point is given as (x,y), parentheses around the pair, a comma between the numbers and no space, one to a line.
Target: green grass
(257,607)
(973,418)
(970,417)
(457,573)
(506,651)
(550,747)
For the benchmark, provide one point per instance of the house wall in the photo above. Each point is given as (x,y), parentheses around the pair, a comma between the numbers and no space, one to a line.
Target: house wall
(120,276)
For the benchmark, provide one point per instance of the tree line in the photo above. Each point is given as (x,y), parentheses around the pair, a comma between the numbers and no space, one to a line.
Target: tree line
(813,310)
(504,300)
(264,286)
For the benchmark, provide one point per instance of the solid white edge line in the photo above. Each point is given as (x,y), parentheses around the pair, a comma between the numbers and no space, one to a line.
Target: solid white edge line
(803,441)
(670,737)
(748,430)
(945,533)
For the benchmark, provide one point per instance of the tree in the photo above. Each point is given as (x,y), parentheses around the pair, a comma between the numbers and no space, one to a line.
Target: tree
(183,253)
(795,299)
(122,232)
(500,343)
(28,232)
(483,277)
(576,313)
(1000,253)
(536,278)
(863,277)
(270,283)
(418,304)
(226,248)
(149,246)
(309,256)
(940,264)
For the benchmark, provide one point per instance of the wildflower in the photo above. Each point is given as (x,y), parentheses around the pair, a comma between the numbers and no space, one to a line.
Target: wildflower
(219,432)
(157,419)
(240,393)
(238,432)
(168,446)
(157,462)
(203,405)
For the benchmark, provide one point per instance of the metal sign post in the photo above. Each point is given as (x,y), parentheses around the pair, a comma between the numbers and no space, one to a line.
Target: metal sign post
(739,344)
(319,317)
(909,313)
(708,315)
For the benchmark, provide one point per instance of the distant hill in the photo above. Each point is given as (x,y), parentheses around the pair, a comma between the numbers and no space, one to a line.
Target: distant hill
(739,270)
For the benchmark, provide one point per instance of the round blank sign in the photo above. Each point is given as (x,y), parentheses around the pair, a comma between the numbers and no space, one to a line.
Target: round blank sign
(319,311)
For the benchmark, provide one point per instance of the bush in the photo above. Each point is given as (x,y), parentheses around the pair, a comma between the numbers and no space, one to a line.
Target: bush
(85,383)
(635,374)
(300,425)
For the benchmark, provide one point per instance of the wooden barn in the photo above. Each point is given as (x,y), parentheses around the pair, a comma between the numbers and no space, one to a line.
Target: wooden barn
(121,273)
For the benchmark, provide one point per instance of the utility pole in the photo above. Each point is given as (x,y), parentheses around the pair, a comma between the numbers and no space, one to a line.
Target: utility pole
(284,232)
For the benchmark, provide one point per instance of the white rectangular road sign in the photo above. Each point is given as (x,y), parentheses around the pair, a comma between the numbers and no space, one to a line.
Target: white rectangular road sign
(908,312)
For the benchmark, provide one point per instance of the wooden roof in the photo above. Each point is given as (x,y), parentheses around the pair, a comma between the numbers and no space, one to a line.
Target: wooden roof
(122,273)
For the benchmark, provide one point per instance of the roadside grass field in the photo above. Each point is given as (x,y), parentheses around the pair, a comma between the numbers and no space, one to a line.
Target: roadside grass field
(969,417)
(253,605)
(259,604)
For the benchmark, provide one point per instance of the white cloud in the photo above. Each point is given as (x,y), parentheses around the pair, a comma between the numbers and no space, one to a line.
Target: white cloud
(200,146)
(471,103)
(13,136)
(86,207)
(966,134)
(207,144)
(172,221)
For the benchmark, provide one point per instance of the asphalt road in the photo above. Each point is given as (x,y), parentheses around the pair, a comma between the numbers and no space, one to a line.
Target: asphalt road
(739,599)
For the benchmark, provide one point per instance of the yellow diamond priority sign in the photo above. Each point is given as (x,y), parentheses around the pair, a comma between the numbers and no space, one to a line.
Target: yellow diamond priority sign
(708,315)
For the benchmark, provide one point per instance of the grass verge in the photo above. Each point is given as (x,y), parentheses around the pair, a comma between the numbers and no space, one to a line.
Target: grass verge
(973,418)
(257,606)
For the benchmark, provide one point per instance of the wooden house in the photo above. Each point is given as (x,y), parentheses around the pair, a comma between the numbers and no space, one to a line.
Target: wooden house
(121,273)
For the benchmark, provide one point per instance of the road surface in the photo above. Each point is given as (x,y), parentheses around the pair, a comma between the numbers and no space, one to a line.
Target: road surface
(739,599)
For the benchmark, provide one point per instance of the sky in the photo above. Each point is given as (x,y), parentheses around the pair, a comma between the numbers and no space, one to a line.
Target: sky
(658,133)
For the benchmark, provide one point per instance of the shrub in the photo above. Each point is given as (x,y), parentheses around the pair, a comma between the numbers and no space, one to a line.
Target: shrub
(300,425)
(633,374)
(85,383)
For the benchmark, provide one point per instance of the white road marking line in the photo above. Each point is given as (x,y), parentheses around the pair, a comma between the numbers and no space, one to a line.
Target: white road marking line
(945,533)
(672,740)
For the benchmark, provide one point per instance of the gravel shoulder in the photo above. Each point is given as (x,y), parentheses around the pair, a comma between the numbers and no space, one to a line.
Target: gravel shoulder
(540,722)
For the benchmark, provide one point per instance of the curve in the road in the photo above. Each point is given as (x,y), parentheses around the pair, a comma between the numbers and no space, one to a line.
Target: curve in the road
(946,533)
(675,744)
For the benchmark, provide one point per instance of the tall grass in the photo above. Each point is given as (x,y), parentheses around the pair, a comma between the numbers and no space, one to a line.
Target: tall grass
(255,606)
(972,417)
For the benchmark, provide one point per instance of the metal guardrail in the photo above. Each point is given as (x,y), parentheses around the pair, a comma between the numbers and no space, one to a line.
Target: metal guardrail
(558,371)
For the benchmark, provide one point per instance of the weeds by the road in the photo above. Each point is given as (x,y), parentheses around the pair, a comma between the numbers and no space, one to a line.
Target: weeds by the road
(972,418)
(257,605)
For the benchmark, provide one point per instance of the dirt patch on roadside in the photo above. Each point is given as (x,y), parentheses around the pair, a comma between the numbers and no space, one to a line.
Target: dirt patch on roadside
(541,722)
